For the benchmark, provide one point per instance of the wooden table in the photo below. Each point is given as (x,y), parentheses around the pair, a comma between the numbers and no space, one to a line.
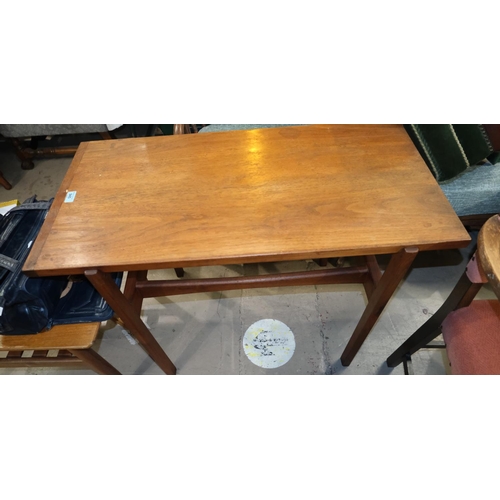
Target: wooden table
(249,196)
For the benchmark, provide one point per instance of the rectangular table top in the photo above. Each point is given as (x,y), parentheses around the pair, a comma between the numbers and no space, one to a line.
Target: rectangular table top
(273,194)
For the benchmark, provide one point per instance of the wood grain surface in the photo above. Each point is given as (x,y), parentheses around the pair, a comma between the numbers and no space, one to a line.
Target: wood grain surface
(79,336)
(272,194)
(488,250)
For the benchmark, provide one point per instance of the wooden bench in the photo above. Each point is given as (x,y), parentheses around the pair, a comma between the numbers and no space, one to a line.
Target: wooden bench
(62,345)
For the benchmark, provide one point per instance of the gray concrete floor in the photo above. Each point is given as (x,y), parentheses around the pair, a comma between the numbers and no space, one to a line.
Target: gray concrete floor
(202,333)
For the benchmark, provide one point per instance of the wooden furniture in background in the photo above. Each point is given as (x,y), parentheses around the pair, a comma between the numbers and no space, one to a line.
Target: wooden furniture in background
(29,141)
(27,153)
(73,343)
(265,195)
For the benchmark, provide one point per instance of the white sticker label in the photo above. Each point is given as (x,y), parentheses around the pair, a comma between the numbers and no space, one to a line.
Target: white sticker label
(269,343)
(70,197)
(129,337)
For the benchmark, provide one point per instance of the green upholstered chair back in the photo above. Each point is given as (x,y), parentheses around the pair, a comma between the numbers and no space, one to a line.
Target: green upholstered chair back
(448,150)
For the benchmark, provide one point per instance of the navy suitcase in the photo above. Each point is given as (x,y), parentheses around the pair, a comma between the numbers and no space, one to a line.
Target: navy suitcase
(31,305)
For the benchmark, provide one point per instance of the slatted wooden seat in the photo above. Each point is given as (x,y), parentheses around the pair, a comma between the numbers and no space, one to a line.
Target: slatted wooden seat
(62,345)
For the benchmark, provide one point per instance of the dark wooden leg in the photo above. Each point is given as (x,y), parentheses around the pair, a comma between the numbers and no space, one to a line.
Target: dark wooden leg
(321,262)
(105,285)
(396,270)
(461,296)
(95,361)
(106,136)
(24,154)
(4,182)
(373,277)
(179,272)
(27,164)
(408,366)
(131,293)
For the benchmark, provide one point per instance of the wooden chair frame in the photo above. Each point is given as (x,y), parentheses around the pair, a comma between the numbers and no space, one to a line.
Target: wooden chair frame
(488,261)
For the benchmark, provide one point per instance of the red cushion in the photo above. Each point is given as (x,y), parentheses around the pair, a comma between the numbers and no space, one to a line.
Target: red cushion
(472,337)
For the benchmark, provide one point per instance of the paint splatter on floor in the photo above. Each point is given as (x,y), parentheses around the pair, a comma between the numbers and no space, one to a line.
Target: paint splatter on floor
(269,343)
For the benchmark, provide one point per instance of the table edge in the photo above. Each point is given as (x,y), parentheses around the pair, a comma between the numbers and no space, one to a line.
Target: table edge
(54,209)
(247,259)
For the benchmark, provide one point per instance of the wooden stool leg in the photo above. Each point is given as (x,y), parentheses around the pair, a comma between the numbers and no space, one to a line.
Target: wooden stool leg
(95,361)
(24,154)
(396,270)
(105,285)
(179,272)
(4,182)
(321,262)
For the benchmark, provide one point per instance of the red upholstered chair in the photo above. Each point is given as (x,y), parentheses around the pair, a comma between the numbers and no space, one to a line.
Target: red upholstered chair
(472,338)
(470,328)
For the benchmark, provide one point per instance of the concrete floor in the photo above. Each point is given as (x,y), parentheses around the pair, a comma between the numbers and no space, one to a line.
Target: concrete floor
(202,333)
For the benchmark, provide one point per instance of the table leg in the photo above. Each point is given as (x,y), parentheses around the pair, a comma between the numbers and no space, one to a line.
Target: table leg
(396,270)
(105,285)
(131,293)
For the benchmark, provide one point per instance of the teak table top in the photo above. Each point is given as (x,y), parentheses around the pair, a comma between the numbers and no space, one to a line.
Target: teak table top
(272,194)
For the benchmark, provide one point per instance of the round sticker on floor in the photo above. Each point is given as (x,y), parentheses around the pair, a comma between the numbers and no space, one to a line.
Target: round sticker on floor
(269,343)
